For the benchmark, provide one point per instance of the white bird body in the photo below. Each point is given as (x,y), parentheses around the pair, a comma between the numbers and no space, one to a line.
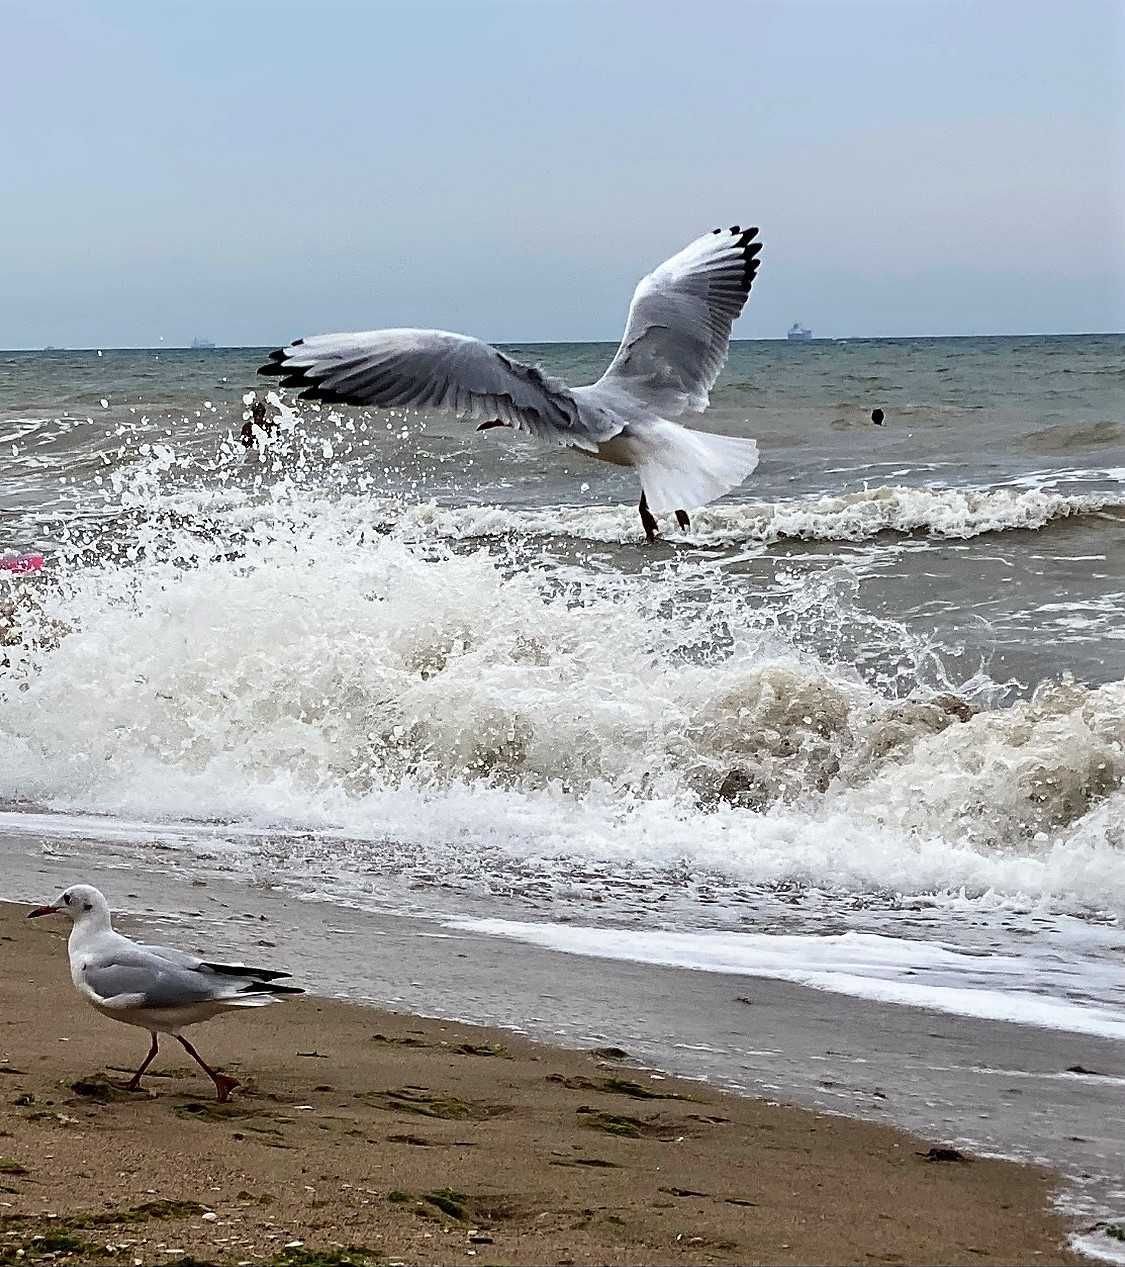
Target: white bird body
(157,988)
(675,344)
(93,953)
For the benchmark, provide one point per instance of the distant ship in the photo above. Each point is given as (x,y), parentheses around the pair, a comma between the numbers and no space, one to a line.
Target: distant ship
(202,344)
(798,333)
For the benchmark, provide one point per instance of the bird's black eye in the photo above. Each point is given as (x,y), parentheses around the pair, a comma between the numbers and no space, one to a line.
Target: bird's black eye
(66,898)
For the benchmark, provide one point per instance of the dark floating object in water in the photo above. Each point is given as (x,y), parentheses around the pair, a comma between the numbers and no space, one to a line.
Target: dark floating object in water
(1091,1073)
(611,1053)
(877,417)
(745,789)
(943,1154)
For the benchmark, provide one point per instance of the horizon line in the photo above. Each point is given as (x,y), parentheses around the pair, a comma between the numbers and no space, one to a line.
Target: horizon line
(844,338)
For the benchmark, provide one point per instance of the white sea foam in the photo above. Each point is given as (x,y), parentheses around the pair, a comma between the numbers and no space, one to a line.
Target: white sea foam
(295,664)
(1100,1245)
(949,513)
(887,969)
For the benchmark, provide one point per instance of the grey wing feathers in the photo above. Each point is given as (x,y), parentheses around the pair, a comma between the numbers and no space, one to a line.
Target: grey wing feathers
(678,332)
(203,965)
(431,369)
(160,985)
(149,978)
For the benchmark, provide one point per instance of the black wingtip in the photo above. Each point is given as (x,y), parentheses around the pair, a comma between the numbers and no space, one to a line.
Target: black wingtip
(243,970)
(275,365)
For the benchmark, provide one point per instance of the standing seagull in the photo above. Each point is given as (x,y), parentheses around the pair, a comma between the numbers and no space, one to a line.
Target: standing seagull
(675,344)
(155,987)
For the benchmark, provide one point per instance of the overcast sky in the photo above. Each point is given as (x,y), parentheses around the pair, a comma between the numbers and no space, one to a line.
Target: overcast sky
(252,170)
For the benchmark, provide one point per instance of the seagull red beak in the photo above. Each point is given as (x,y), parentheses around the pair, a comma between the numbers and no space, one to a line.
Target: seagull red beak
(42,910)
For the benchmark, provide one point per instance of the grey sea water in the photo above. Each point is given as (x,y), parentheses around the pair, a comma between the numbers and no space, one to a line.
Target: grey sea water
(861,728)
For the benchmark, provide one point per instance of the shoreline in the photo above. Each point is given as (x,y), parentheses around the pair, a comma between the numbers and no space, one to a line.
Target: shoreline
(990,1087)
(410,1137)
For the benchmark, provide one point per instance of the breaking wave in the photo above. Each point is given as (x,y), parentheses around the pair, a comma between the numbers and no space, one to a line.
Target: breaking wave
(288,660)
(945,513)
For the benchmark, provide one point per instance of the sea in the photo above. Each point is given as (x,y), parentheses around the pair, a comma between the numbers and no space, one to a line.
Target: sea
(860,727)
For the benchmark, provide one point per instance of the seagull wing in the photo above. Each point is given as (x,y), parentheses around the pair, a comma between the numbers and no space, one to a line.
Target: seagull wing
(678,332)
(186,960)
(434,369)
(129,977)
(156,984)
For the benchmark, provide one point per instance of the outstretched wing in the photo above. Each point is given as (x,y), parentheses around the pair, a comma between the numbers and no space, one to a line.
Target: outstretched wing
(432,369)
(679,325)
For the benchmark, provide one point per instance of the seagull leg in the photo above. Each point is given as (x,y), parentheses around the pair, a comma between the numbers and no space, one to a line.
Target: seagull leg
(134,1083)
(683,520)
(647,520)
(223,1085)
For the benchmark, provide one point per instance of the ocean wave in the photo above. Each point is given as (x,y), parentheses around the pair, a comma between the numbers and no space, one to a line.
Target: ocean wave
(1076,436)
(134,463)
(494,711)
(925,974)
(944,513)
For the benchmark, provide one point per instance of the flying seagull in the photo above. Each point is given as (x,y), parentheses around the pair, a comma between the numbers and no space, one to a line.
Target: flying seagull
(675,344)
(156,988)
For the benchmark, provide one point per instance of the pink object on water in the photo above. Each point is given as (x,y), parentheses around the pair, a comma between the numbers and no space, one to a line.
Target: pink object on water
(20,562)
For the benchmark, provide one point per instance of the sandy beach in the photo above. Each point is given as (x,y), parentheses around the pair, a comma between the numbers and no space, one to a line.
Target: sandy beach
(374,1136)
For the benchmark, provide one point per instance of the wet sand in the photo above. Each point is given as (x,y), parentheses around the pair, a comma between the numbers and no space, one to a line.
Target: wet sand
(412,1140)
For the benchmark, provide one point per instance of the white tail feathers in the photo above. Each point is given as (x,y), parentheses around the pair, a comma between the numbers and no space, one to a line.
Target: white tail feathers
(249,1000)
(681,469)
